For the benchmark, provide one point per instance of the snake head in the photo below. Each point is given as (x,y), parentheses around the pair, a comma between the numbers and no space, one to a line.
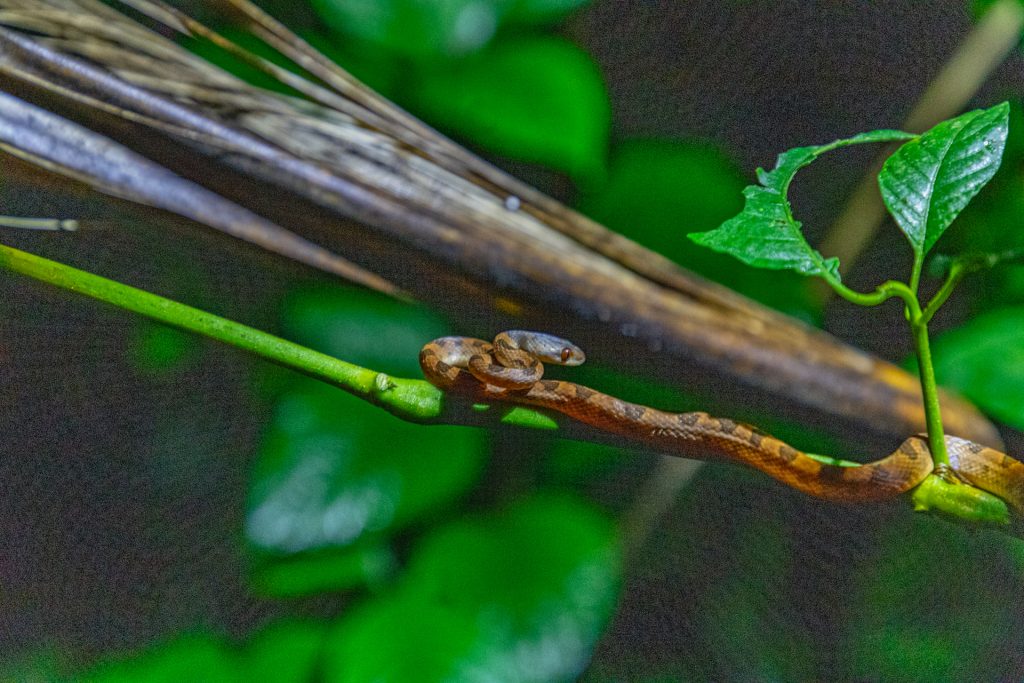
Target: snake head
(547,348)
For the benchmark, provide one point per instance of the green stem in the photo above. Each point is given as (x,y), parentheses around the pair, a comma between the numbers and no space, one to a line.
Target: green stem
(956,273)
(915,273)
(885,291)
(919,326)
(929,390)
(410,399)
(352,378)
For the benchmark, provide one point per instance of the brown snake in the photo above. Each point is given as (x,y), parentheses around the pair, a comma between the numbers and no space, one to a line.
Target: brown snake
(511,369)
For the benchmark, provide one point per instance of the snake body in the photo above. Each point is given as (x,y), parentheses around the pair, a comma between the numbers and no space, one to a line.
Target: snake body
(511,369)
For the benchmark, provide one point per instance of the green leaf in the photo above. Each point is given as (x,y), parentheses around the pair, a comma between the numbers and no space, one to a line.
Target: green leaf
(284,652)
(310,573)
(765,234)
(158,349)
(393,638)
(543,11)
(984,361)
(991,222)
(537,100)
(333,470)
(522,595)
(927,182)
(416,28)
(199,657)
(971,262)
(918,613)
(334,473)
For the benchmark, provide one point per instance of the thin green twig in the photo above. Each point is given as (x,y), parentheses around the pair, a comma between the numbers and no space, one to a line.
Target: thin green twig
(410,399)
(953,278)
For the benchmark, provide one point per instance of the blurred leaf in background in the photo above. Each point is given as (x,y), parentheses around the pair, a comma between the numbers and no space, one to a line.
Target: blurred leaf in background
(918,619)
(334,473)
(158,349)
(193,657)
(442,28)
(984,360)
(542,12)
(521,594)
(285,652)
(414,28)
(539,100)
(660,190)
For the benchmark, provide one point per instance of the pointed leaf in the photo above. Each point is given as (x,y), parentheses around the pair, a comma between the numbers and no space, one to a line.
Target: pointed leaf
(927,182)
(765,234)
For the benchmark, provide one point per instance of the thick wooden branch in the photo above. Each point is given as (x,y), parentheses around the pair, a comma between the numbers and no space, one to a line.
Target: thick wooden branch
(345,181)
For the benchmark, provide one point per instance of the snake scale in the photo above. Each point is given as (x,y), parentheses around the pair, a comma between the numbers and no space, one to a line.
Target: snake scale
(511,369)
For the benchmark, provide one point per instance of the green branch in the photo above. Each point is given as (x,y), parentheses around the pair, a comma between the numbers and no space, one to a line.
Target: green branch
(410,399)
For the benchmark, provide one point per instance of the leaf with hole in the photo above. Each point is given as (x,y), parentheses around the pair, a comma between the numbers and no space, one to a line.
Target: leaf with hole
(765,234)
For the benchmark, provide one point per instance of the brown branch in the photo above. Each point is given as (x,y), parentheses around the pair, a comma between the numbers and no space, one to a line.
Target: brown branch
(354,175)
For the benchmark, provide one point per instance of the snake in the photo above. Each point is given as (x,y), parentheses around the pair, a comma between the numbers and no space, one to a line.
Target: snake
(511,368)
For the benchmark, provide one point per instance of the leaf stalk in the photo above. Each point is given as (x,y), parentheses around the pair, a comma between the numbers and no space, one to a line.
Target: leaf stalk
(918,320)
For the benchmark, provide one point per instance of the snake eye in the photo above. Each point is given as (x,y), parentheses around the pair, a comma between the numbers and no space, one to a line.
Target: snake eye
(566,354)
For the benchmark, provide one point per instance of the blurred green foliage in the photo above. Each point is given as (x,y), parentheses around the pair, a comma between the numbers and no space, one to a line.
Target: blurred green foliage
(659,190)
(538,100)
(335,473)
(158,348)
(424,30)
(983,359)
(199,656)
(287,651)
(920,615)
(521,594)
